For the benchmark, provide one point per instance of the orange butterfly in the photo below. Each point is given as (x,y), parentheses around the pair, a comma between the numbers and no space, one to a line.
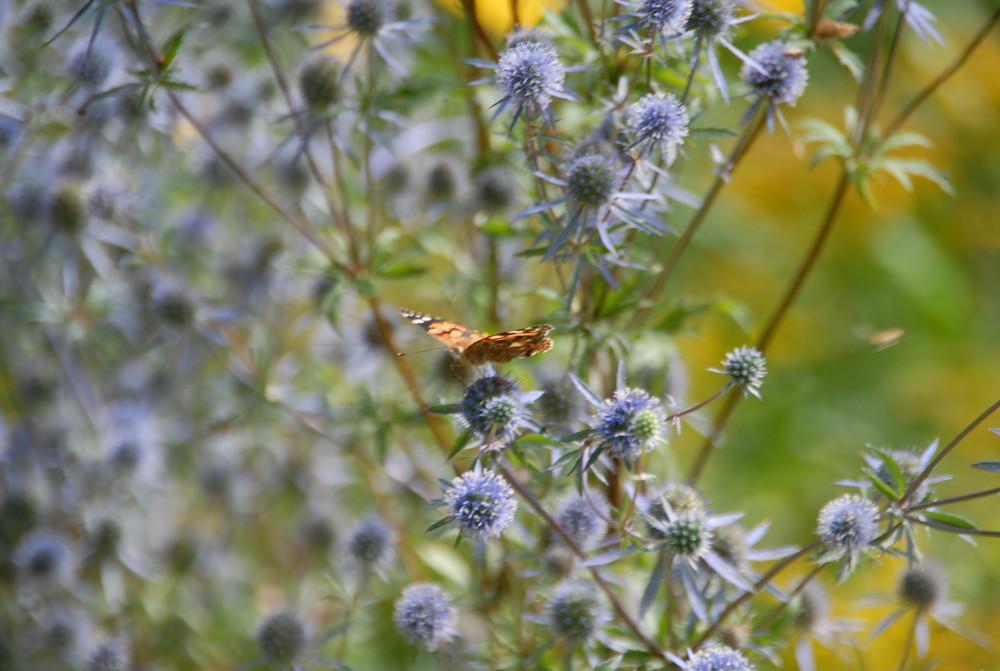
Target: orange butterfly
(477,348)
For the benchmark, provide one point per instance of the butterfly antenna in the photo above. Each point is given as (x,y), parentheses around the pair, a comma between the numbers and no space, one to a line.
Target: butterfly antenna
(420,351)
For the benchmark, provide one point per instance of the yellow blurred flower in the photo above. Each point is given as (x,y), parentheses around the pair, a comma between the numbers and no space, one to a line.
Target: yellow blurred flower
(498,17)
(788,6)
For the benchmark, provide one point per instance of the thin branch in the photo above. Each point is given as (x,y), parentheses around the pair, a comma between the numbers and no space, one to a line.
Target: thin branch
(954,530)
(924,474)
(954,499)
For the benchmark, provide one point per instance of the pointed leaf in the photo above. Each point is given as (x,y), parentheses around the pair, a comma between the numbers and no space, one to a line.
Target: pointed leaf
(949,520)
(991,466)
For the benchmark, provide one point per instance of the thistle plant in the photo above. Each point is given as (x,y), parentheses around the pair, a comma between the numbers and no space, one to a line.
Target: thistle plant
(212,454)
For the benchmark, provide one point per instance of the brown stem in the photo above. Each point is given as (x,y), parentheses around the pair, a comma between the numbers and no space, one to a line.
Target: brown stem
(921,97)
(769,619)
(929,468)
(954,499)
(954,530)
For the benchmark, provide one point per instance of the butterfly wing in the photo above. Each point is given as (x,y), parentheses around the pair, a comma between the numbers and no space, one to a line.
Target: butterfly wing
(509,345)
(452,335)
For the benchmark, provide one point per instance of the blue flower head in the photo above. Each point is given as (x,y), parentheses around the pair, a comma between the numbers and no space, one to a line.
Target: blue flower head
(658,120)
(529,74)
(282,638)
(581,521)
(370,544)
(574,612)
(481,504)
(718,658)
(628,424)
(745,367)
(425,615)
(847,525)
(780,73)
(495,408)
(711,18)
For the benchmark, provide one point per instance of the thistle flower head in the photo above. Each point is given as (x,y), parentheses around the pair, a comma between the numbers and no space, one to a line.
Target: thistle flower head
(711,18)
(282,638)
(367,17)
(573,612)
(319,82)
(590,181)
(495,190)
(663,17)
(495,408)
(108,656)
(687,537)
(718,658)
(778,72)
(923,586)
(424,614)
(848,524)
(43,555)
(745,367)
(529,75)
(730,543)
(481,504)
(630,424)
(583,524)
(658,120)
(370,544)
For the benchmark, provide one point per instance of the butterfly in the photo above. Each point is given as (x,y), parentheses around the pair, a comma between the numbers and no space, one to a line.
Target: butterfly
(477,348)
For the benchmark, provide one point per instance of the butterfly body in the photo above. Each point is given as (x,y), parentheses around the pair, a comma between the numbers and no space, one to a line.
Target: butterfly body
(477,348)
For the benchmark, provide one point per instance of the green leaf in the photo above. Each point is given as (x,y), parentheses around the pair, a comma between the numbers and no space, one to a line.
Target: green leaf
(991,466)
(437,525)
(403,269)
(883,487)
(169,52)
(579,435)
(711,132)
(897,479)
(460,442)
(949,520)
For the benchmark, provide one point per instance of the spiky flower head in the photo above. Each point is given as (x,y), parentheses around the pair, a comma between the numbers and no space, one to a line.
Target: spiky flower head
(282,638)
(495,408)
(90,65)
(848,524)
(630,423)
(108,656)
(370,543)
(663,17)
(718,658)
(529,75)
(496,190)
(582,522)
(923,586)
(319,82)
(687,537)
(528,35)
(658,120)
(573,612)
(366,17)
(777,73)
(43,555)
(481,504)
(425,615)
(745,367)
(590,181)
(711,18)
